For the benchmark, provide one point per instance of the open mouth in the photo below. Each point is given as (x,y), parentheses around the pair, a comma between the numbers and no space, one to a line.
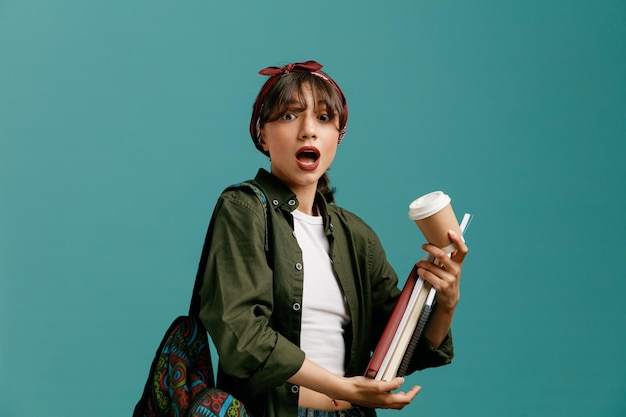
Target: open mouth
(308,155)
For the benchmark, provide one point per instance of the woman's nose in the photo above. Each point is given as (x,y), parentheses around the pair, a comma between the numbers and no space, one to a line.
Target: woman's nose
(307,128)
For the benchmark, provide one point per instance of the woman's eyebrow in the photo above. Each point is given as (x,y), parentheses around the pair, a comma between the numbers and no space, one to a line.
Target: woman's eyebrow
(322,103)
(293,104)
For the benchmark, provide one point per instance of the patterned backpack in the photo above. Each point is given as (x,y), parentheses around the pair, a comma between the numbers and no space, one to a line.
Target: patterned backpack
(181,381)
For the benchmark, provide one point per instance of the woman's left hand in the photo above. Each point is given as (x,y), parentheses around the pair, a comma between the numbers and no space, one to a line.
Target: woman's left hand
(444,273)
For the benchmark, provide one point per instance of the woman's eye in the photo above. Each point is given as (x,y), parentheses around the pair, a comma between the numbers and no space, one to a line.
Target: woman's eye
(288,116)
(324,117)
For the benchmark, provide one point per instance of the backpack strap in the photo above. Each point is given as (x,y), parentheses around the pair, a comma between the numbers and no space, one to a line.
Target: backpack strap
(194,308)
(262,198)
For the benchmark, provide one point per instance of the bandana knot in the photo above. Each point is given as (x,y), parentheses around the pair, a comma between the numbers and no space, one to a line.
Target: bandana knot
(308,66)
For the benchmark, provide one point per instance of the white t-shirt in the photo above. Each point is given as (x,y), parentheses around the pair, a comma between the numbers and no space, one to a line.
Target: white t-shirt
(324,309)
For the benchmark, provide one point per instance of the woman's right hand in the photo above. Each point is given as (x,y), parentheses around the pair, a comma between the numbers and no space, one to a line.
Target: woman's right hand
(357,390)
(372,393)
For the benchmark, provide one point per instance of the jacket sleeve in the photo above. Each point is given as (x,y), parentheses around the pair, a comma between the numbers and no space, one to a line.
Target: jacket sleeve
(426,356)
(237,295)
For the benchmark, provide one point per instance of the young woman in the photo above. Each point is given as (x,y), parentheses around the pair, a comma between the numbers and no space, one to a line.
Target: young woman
(295,297)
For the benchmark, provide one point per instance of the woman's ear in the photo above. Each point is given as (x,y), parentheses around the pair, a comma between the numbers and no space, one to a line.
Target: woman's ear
(263,143)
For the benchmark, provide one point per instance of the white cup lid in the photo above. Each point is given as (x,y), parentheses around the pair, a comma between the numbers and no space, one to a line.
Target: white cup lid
(427,205)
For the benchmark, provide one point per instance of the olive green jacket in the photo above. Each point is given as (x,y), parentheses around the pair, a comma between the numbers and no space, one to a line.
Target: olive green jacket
(252,294)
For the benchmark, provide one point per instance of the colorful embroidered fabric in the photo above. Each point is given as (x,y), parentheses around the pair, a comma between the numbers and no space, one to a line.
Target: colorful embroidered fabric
(182,377)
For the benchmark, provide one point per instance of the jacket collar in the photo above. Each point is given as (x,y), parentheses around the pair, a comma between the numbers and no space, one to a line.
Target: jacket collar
(279,196)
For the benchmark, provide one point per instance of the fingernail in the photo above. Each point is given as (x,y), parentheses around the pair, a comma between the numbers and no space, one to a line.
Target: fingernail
(452,234)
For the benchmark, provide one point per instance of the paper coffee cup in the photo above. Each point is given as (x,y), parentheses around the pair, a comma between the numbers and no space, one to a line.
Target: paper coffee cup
(434,216)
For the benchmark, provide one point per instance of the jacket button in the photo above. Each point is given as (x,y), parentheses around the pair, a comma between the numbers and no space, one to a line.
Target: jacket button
(296,306)
(292,202)
(295,389)
(299,266)
(275,202)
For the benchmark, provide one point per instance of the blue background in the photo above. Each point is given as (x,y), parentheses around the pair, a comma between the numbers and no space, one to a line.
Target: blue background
(121,121)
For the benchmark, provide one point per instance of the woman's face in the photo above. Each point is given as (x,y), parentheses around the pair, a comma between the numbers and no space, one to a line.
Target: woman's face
(302,141)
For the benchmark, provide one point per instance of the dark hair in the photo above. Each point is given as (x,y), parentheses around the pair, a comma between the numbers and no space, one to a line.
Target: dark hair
(324,187)
(282,93)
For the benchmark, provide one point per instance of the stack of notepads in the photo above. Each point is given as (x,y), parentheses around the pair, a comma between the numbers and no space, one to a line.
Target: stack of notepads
(405,326)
